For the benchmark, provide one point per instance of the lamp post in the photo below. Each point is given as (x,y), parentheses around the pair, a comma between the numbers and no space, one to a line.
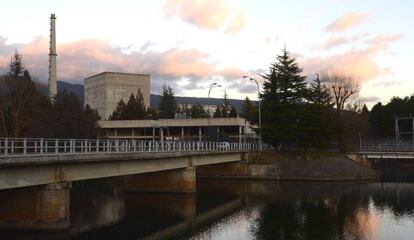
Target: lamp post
(260,112)
(213,85)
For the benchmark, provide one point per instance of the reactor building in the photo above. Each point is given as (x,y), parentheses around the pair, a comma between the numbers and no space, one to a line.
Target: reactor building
(104,90)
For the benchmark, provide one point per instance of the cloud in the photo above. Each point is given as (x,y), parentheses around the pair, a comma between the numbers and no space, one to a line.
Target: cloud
(347,21)
(370,99)
(207,14)
(80,59)
(359,63)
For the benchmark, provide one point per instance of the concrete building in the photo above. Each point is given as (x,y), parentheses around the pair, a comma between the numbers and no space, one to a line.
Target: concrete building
(214,129)
(104,90)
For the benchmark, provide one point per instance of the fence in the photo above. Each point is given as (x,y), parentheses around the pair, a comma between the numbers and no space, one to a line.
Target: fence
(43,146)
(387,147)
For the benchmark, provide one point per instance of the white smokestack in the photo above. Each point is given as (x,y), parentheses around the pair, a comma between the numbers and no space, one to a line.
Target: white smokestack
(52,59)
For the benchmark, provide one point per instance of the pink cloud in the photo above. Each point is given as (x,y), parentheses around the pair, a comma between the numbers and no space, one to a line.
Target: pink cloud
(335,42)
(80,59)
(347,21)
(207,14)
(361,64)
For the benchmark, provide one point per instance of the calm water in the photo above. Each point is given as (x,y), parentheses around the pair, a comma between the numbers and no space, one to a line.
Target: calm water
(243,210)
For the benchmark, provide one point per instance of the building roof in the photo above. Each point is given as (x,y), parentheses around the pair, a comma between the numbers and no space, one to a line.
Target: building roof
(198,122)
(119,73)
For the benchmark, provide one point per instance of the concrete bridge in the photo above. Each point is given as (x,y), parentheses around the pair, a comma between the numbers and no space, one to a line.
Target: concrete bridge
(386,156)
(36,174)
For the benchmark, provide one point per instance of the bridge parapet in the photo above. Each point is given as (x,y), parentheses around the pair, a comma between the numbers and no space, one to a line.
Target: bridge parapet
(41,146)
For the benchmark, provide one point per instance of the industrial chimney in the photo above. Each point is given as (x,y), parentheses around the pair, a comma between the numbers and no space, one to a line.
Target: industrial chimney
(52,59)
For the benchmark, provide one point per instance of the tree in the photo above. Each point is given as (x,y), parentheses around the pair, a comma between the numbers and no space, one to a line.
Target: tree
(131,111)
(151,114)
(283,98)
(90,120)
(226,107)
(18,100)
(218,113)
(68,116)
(120,108)
(342,87)
(233,112)
(249,111)
(319,93)
(168,105)
(197,111)
(285,84)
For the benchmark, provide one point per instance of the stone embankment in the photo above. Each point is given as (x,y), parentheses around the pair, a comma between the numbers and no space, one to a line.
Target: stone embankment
(294,166)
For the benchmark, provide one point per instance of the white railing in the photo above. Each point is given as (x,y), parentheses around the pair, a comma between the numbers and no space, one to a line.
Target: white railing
(46,146)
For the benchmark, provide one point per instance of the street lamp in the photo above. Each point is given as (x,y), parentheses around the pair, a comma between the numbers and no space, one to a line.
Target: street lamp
(213,85)
(260,113)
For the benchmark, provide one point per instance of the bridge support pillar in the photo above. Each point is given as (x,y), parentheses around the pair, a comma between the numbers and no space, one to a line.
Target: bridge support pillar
(171,181)
(40,208)
(224,170)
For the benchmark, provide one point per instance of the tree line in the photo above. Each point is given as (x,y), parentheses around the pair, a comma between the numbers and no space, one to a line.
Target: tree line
(168,108)
(24,112)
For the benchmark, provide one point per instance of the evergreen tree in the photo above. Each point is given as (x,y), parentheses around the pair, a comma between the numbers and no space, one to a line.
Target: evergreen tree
(120,108)
(233,112)
(285,84)
(197,111)
(249,111)
(141,109)
(168,105)
(16,66)
(131,110)
(151,114)
(319,93)
(225,111)
(218,113)
(283,98)
(90,119)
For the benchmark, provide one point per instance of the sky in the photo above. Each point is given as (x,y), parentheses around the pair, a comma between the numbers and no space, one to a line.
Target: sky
(190,44)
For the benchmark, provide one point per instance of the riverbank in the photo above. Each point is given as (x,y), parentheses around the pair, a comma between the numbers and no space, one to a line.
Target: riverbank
(292,166)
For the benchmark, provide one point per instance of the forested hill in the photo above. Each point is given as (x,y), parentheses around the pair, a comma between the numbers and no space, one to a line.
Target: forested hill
(155,99)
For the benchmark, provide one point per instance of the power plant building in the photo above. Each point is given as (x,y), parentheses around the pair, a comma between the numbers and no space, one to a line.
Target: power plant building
(104,90)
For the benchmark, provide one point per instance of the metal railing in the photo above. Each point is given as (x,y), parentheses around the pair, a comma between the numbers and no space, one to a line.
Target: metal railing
(46,146)
(387,147)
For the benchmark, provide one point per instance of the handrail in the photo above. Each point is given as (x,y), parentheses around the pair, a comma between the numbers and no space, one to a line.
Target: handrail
(55,146)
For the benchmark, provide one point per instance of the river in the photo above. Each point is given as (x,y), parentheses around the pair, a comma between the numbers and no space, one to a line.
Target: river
(242,210)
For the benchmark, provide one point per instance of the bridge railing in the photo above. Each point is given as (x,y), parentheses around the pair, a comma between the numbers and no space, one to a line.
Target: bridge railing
(45,146)
(388,147)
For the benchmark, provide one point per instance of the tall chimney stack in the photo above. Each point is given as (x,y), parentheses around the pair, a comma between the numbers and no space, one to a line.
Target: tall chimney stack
(52,59)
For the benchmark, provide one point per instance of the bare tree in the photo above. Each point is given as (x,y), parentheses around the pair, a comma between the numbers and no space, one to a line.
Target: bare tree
(343,89)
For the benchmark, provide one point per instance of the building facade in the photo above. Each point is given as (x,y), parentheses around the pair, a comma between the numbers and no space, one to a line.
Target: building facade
(104,90)
(201,129)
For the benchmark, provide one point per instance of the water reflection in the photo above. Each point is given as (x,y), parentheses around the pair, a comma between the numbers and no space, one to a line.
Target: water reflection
(243,210)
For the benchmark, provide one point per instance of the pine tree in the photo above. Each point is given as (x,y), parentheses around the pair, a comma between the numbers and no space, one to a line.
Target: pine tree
(319,93)
(197,111)
(168,105)
(131,110)
(218,113)
(16,66)
(285,92)
(285,82)
(233,112)
(120,108)
(249,111)
(225,111)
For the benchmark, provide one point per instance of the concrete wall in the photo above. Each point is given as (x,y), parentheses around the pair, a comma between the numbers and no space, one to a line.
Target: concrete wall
(42,208)
(103,91)
(292,166)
